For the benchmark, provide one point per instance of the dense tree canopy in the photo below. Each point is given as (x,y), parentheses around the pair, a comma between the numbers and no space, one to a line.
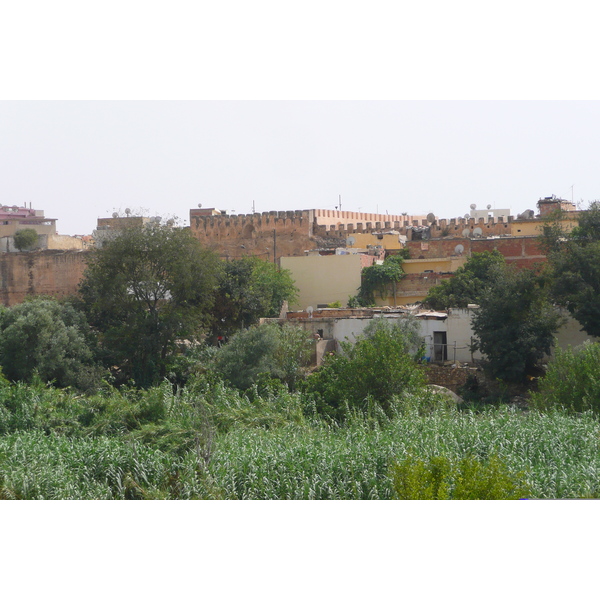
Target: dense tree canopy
(51,339)
(575,269)
(250,288)
(515,323)
(467,284)
(142,291)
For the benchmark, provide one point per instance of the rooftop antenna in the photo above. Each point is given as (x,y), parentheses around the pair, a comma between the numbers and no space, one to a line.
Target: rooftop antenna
(340,203)
(253,208)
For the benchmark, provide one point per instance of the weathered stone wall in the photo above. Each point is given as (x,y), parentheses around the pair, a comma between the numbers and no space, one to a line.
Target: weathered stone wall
(266,234)
(50,272)
(452,378)
(293,232)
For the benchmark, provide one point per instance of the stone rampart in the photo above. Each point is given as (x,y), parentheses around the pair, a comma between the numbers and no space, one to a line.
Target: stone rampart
(268,234)
(289,233)
(49,272)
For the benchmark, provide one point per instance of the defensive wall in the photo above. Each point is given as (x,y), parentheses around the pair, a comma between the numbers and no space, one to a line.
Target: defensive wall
(289,233)
(45,272)
(268,234)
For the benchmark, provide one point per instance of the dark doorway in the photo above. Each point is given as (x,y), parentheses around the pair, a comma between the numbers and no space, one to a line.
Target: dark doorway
(440,346)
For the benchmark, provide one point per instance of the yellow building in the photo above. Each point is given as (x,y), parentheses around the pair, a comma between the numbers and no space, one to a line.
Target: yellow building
(323,280)
(388,240)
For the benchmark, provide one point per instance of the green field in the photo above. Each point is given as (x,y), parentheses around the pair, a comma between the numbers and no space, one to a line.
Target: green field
(211,442)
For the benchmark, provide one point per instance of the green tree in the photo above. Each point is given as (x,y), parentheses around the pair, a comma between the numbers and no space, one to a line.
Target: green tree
(515,323)
(574,267)
(250,288)
(278,352)
(378,368)
(377,279)
(25,239)
(143,291)
(51,339)
(467,284)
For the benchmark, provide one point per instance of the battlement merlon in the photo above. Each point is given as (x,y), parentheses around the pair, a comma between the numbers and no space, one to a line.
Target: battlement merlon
(325,223)
(292,221)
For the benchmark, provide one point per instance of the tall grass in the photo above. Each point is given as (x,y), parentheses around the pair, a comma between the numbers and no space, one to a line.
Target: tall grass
(209,441)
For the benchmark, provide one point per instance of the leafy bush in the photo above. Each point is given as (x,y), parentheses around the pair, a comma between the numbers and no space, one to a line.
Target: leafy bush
(379,367)
(51,339)
(25,239)
(280,352)
(378,279)
(471,479)
(572,380)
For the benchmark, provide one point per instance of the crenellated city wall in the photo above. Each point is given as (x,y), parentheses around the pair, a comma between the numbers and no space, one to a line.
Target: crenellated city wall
(268,234)
(290,233)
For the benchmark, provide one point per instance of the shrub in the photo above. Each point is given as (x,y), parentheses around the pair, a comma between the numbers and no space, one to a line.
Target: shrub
(572,380)
(279,352)
(378,368)
(51,339)
(471,479)
(25,239)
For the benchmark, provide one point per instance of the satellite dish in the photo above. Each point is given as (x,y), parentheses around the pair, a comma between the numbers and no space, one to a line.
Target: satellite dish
(473,206)
(200,205)
(489,206)
(430,218)
(467,216)
(466,232)
(170,222)
(127,211)
(115,215)
(158,219)
(351,240)
(477,232)
(459,249)
(309,310)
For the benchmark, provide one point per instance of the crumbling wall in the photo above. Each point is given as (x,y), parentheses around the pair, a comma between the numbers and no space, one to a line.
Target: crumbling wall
(49,272)
(451,377)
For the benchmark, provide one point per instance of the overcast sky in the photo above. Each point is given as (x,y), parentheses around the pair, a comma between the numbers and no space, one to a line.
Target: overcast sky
(80,160)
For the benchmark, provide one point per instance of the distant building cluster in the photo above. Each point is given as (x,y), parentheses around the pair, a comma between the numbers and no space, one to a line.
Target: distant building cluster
(325,251)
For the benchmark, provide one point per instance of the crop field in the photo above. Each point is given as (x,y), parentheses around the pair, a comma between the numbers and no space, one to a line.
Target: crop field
(218,444)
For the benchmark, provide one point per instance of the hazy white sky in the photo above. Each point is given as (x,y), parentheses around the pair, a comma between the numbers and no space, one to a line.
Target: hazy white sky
(80,160)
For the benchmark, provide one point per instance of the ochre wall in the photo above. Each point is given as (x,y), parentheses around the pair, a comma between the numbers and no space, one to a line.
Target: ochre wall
(235,236)
(50,272)
(325,279)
